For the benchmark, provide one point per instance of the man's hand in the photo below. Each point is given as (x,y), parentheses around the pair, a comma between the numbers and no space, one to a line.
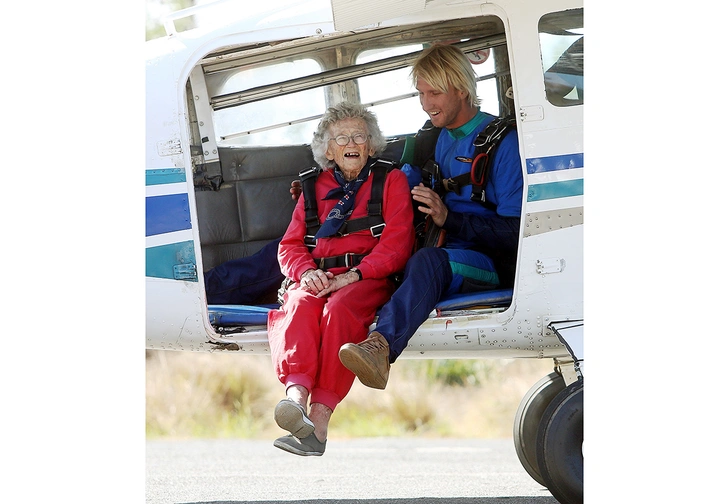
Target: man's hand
(434,206)
(295,189)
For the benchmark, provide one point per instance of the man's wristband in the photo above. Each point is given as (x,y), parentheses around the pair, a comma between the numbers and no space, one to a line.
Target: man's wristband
(357,272)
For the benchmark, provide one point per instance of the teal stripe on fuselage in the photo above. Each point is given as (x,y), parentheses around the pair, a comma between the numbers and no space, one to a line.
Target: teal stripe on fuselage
(165,176)
(553,190)
(161,260)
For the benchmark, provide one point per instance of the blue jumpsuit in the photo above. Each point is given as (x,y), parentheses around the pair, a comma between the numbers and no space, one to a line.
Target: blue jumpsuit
(481,244)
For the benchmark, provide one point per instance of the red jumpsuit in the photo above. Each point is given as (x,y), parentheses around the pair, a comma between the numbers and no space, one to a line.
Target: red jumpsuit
(305,334)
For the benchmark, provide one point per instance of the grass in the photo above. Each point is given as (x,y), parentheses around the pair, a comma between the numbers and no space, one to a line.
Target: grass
(193,394)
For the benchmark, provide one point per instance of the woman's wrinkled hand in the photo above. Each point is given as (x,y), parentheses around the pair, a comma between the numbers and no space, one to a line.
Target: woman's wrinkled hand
(316,280)
(338,282)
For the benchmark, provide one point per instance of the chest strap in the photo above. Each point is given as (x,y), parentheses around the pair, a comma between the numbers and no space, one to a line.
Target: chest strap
(373,221)
(347,260)
(482,162)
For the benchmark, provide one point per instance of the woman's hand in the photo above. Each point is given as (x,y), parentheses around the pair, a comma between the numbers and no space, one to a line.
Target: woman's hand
(316,280)
(339,281)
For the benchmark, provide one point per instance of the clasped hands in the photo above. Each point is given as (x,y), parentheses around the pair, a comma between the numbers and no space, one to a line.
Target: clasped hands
(322,283)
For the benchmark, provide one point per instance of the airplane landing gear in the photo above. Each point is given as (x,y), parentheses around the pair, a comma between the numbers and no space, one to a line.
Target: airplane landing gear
(548,433)
(559,442)
(528,417)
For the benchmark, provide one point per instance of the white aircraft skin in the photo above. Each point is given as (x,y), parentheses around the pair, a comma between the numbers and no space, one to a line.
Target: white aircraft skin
(549,281)
(545,317)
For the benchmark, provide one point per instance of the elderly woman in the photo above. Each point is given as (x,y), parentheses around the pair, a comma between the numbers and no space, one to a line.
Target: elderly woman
(325,308)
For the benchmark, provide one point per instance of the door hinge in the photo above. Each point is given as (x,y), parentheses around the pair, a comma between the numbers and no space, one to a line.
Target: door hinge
(185,272)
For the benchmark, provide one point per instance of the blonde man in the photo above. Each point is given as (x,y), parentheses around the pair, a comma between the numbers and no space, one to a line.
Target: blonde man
(482,240)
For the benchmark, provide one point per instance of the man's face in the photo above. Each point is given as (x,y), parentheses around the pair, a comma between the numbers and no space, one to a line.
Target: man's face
(446,110)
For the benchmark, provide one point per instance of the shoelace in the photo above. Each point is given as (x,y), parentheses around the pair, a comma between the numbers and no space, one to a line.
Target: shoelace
(373,344)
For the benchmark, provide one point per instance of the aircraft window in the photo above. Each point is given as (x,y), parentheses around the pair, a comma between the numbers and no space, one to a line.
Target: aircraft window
(392,97)
(561,36)
(484,66)
(259,123)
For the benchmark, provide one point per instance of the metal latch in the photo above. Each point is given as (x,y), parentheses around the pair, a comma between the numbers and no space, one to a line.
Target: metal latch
(169,147)
(185,272)
(551,265)
(531,113)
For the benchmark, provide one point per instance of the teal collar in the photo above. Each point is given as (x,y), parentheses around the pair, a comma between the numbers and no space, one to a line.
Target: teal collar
(468,127)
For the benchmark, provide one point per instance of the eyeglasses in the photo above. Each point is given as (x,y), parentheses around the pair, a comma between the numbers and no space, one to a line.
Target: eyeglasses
(343,140)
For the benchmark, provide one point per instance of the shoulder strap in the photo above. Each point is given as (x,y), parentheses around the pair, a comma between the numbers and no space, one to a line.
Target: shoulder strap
(380,169)
(373,221)
(480,167)
(484,143)
(425,143)
(308,180)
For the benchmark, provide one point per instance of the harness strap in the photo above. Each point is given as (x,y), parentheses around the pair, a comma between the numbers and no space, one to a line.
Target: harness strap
(425,143)
(308,178)
(480,167)
(374,221)
(348,260)
(484,143)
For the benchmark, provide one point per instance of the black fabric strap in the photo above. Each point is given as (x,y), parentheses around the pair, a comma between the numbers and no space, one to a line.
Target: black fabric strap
(479,173)
(425,142)
(344,260)
(373,221)
(308,180)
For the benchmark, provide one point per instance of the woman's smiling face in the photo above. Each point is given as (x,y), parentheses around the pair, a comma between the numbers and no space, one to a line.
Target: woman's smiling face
(352,157)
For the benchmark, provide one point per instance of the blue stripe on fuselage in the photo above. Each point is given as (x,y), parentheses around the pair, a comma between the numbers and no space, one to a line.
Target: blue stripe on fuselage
(554,163)
(168,213)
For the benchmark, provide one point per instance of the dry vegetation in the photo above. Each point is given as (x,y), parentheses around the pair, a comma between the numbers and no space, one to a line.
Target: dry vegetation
(191,394)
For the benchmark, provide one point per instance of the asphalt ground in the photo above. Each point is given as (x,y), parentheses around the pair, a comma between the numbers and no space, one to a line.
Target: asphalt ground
(354,471)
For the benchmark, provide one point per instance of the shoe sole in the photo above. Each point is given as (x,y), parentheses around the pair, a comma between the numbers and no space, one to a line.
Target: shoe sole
(289,417)
(296,451)
(361,368)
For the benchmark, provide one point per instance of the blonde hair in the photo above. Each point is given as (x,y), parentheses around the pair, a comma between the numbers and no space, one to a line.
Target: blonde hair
(345,110)
(443,66)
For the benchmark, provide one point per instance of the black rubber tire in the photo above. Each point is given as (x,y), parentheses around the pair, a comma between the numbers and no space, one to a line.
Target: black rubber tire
(528,419)
(559,445)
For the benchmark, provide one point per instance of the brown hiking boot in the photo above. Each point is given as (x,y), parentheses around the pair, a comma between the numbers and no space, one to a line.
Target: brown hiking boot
(368,360)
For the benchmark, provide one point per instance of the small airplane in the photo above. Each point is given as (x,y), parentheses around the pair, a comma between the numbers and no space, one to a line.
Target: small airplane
(231,108)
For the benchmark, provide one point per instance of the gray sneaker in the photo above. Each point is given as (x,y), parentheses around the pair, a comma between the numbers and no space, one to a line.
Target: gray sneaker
(290,416)
(306,447)
(368,360)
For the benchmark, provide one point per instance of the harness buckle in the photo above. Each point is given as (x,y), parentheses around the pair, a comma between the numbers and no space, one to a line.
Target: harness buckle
(493,130)
(428,126)
(379,229)
(348,260)
(451,185)
(481,139)
(308,171)
(310,241)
